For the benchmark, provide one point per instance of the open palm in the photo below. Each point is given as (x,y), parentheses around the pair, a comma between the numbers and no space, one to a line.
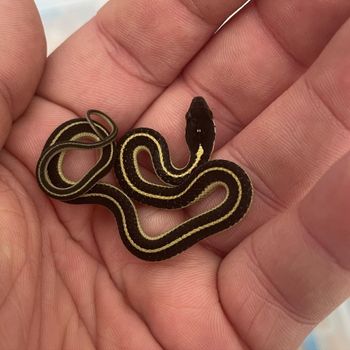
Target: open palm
(277,80)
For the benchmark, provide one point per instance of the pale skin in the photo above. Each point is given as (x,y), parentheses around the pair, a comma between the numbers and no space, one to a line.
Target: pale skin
(277,79)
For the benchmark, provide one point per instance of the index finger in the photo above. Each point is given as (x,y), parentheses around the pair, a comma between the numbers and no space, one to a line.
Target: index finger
(124,58)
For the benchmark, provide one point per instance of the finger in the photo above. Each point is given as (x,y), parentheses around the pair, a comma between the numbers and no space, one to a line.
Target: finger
(244,68)
(292,272)
(293,142)
(124,57)
(23,52)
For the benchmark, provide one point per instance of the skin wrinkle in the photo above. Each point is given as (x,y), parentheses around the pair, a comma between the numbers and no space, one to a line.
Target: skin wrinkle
(42,324)
(26,261)
(116,281)
(38,287)
(50,200)
(17,191)
(268,335)
(5,94)
(318,246)
(252,321)
(186,34)
(223,309)
(10,290)
(66,222)
(315,93)
(96,309)
(80,240)
(144,74)
(195,10)
(19,314)
(59,274)
(299,8)
(234,150)
(8,211)
(93,233)
(10,186)
(6,121)
(41,282)
(128,303)
(269,197)
(60,105)
(252,324)
(282,303)
(269,303)
(27,244)
(216,292)
(98,267)
(220,305)
(143,319)
(212,249)
(273,35)
(65,333)
(34,308)
(225,124)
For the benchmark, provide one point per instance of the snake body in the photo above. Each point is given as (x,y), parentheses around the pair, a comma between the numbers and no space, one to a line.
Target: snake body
(180,187)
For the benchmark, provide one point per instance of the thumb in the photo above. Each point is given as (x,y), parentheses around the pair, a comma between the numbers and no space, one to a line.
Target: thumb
(292,272)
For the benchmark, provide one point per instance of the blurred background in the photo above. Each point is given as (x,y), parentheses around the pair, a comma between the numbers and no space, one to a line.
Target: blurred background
(61,18)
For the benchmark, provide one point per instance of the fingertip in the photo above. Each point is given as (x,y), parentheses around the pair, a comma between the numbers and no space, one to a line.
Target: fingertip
(23,53)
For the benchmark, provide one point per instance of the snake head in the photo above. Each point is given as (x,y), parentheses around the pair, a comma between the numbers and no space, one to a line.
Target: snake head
(200,128)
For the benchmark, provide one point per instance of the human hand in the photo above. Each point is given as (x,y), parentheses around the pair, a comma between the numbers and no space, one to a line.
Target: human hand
(281,112)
